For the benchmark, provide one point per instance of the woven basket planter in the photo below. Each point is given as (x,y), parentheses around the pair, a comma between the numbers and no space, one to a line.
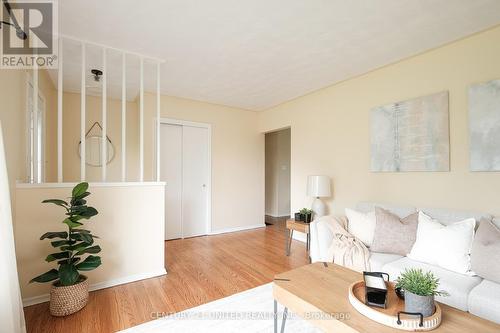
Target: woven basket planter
(65,300)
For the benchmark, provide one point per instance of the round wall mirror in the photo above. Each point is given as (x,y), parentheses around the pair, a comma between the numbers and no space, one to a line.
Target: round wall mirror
(93,155)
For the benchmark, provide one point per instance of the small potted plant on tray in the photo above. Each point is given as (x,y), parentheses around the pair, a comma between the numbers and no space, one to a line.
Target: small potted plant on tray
(70,289)
(419,291)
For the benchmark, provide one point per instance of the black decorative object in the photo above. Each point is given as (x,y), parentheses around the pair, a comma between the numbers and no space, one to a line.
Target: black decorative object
(400,293)
(299,217)
(421,316)
(375,289)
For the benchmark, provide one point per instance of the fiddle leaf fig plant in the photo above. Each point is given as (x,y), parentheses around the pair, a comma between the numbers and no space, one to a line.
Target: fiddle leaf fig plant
(74,243)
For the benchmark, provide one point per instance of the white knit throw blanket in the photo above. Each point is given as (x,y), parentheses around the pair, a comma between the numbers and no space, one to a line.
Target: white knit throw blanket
(346,250)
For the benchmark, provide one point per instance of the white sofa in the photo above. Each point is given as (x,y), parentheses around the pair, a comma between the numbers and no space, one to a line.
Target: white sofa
(468,293)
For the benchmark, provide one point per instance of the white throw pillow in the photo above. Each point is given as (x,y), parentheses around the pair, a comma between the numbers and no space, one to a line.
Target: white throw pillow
(361,225)
(446,246)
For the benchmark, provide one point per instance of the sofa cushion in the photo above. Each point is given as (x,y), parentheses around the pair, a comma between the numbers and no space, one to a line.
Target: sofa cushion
(484,301)
(401,211)
(394,234)
(378,260)
(447,246)
(361,225)
(449,216)
(457,285)
(485,254)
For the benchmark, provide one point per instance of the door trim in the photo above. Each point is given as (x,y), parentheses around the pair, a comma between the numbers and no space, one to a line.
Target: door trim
(172,121)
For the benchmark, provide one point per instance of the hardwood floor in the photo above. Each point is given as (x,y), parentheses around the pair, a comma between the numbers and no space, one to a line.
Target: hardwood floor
(200,270)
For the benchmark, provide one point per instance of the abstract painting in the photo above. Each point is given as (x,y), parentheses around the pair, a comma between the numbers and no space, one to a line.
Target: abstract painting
(411,136)
(484,122)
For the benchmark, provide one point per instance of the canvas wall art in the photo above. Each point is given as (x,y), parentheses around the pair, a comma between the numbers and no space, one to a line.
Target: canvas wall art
(484,123)
(412,135)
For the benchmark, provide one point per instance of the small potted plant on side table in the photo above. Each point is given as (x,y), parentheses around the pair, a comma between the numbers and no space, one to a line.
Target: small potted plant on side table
(306,215)
(70,289)
(419,291)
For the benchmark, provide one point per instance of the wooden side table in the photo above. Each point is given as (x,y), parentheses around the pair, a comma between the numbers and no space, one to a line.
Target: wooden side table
(291,226)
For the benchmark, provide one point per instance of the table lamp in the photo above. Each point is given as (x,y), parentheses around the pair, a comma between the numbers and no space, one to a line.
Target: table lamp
(319,187)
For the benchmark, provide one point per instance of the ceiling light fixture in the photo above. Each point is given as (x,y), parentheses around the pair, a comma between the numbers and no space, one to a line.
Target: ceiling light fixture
(97,74)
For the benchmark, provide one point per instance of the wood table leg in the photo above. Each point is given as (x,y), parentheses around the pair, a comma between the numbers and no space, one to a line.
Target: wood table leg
(287,234)
(290,237)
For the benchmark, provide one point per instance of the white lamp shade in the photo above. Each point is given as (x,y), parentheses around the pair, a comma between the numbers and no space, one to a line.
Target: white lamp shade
(319,186)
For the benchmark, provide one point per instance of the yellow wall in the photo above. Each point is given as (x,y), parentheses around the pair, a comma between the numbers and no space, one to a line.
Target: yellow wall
(237,151)
(330,131)
(71,134)
(131,237)
(13,118)
(50,93)
(13,121)
(237,157)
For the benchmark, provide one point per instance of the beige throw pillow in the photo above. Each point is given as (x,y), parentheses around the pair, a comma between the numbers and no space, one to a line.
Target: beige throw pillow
(485,255)
(392,234)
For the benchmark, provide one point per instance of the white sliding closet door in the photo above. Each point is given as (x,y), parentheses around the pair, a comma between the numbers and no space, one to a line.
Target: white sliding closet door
(171,173)
(184,166)
(194,181)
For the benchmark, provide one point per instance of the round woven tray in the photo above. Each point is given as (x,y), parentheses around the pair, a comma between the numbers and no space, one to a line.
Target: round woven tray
(389,315)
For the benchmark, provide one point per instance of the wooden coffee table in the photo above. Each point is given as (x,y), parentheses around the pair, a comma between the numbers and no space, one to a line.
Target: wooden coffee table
(319,294)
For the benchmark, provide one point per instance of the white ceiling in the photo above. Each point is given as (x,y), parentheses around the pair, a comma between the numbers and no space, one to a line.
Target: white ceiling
(255,54)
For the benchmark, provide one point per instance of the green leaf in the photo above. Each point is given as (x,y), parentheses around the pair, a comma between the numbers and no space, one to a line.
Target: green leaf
(80,234)
(50,235)
(89,212)
(90,263)
(55,256)
(46,277)
(71,223)
(87,238)
(68,274)
(74,260)
(78,202)
(76,210)
(81,231)
(61,242)
(92,249)
(76,247)
(80,189)
(58,202)
(84,195)
(81,246)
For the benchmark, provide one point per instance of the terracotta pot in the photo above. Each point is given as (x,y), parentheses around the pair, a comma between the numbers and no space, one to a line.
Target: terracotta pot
(66,300)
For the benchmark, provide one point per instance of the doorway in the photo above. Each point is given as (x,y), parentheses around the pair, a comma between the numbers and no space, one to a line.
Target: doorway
(277,178)
(185,167)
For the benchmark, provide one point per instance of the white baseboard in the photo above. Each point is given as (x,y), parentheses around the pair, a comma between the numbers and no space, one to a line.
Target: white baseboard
(224,231)
(278,215)
(100,285)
